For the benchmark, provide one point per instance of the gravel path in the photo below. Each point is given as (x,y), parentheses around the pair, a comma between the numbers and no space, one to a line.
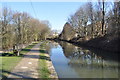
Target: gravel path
(28,66)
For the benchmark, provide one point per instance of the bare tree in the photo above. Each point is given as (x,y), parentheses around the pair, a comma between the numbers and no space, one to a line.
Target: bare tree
(90,15)
(6,18)
(91,18)
(103,16)
(20,28)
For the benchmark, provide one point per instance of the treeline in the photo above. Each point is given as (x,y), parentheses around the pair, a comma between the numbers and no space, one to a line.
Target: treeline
(95,19)
(17,28)
(94,25)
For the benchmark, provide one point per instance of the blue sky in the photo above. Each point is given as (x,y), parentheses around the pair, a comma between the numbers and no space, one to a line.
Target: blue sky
(56,13)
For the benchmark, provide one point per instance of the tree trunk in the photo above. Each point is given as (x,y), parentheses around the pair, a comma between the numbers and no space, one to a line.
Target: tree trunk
(18,53)
(103,14)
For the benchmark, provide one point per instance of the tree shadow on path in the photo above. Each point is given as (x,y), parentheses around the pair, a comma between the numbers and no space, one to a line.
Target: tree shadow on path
(4,77)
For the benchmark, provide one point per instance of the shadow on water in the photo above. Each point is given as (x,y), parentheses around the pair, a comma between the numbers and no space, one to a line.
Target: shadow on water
(70,49)
(106,55)
(82,57)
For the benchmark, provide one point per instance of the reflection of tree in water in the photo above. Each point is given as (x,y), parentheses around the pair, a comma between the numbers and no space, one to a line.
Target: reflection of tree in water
(83,57)
(88,64)
(68,49)
(50,45)
(85,63)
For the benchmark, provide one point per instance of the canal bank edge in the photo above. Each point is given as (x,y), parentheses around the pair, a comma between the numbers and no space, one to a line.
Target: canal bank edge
(49,64)
(51,68)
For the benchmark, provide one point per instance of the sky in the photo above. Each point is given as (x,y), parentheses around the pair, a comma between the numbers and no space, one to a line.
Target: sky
(57,13)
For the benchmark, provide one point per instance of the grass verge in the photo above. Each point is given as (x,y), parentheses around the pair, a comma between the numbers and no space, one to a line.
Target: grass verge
(43,69)
(9,62)
(28,48)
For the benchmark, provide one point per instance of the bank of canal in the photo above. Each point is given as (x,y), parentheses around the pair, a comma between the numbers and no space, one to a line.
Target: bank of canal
(46,68)
(75,62)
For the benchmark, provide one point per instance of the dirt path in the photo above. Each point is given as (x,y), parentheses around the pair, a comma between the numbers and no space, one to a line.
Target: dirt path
(28,66)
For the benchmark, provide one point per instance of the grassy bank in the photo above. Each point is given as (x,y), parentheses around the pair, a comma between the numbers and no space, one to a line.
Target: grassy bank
(9,61)
(43,68)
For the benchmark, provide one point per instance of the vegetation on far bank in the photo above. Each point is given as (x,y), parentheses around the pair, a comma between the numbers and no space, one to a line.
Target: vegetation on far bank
(94,25)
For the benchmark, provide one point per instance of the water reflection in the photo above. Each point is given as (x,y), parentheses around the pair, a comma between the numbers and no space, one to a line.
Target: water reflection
(86,64)
(80,55)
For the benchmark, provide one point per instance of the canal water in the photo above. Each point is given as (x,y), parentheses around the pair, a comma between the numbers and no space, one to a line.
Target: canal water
(71,61)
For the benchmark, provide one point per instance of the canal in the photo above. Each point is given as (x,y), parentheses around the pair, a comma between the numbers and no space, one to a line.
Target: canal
(71,61)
